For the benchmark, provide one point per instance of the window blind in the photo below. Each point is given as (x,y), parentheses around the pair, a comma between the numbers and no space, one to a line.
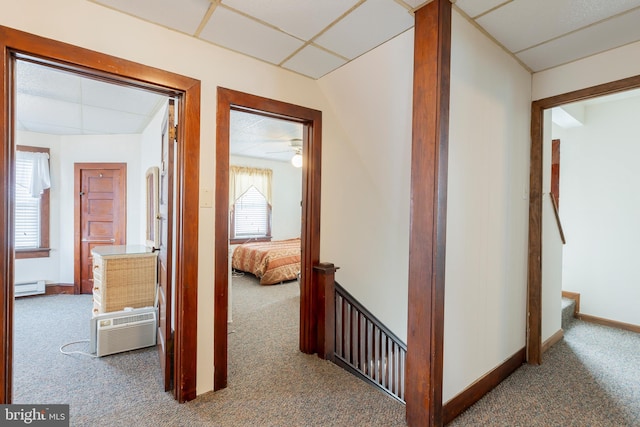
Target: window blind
(251,214)
(27,208)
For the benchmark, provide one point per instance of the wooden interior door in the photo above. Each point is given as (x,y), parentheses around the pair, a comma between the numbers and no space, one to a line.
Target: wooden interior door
(101,203)
(165,276)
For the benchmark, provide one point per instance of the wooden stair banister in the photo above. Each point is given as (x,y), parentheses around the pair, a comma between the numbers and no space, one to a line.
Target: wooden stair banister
(353,338)
(326,275)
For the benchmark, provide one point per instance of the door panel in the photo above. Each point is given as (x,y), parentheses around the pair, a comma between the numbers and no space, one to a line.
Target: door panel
(165,278)
(100,200)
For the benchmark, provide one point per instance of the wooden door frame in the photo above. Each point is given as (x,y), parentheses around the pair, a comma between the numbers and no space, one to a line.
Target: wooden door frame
(534,292)
(77,214)
(310,237)
(14,44)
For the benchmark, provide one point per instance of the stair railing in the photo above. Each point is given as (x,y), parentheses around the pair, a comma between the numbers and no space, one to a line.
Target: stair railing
(353,338)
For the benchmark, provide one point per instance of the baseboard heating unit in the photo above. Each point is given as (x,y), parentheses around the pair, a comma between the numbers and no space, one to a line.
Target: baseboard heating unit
(120,331)
(31,288)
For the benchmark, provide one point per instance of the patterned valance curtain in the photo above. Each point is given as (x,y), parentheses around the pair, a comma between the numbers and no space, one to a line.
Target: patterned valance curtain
(33,172)
(241,178)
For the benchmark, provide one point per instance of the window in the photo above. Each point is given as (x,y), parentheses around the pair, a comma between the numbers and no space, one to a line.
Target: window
(250,193)
(251,215)
(32,202)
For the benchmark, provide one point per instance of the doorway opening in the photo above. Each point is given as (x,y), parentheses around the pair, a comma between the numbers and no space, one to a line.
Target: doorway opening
(535,298)
(23,46)
(311,122)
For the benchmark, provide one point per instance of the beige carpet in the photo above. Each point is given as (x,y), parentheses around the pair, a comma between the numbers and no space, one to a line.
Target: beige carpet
(270,382)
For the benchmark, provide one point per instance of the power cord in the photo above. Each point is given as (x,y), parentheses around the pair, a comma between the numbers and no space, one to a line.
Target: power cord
(68,353)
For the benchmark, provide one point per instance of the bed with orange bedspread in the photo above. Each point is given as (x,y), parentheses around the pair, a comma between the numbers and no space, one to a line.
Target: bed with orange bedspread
(271,262)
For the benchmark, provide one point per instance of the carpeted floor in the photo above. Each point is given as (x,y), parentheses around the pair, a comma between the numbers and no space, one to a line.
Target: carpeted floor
(591,378)
(270,382)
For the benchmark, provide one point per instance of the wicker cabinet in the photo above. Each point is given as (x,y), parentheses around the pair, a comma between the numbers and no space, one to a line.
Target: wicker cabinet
(123,276)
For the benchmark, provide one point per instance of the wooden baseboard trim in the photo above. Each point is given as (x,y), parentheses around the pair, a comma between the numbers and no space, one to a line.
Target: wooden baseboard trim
(610,323)
(574,296)
(59,288)
(482,386)
(552,340)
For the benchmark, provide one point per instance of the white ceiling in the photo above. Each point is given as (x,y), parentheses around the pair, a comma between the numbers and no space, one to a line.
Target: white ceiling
(312,38)
(543,34)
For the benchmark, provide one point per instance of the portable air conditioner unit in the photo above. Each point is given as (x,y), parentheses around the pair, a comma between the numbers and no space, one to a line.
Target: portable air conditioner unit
(124,330)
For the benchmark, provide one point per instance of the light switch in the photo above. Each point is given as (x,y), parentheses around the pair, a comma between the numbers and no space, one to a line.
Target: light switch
(206,198)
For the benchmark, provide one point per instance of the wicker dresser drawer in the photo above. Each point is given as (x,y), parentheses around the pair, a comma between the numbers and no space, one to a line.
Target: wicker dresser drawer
(123,276)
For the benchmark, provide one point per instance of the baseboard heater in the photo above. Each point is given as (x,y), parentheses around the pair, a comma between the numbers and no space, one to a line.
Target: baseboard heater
(120,331)
(30,288)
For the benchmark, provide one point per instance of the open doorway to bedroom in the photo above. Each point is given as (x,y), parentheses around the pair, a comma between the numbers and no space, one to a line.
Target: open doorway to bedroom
(18,45)
(265,208)
(82,149)
(290,132)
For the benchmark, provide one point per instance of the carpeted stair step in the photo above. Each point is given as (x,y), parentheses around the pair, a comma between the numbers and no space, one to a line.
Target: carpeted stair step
(568,311)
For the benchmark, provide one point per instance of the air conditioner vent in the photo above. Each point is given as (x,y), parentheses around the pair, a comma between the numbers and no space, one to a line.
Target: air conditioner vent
(133,319)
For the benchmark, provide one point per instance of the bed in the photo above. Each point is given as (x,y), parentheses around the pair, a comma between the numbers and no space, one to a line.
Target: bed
(271,262)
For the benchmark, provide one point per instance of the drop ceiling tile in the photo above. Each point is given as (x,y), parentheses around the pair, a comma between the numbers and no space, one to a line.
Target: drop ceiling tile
(415,4)
(38,80)
(183,15)
(50,129)
(237,32)
(47,111)
(474,8)
(109,122)
(300,18)
(313,62)
(523,24)
(361,30)
(115,97)
(620,31)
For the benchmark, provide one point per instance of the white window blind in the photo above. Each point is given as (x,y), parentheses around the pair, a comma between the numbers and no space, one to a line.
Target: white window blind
(251,214)
(27,213)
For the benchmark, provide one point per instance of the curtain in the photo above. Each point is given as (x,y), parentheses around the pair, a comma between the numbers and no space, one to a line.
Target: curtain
(242,178)
(39,179)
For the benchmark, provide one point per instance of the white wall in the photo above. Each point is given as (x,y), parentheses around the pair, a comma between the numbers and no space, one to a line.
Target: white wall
(599,207)
(552,246)
(48,269)
(365,188)
(286,196)
(605,67)
(92,26)
(366,166)
(487,219)
(65,151)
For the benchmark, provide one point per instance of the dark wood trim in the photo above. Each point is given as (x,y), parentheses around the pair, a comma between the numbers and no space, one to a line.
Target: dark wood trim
(557,216)
(534,293)
(45,202)
(326,280)
(429,158)
(310,235)
(607,322)
(534,278)
(574,296)
(549,342)
(59,288)
(14,44)
(482,386)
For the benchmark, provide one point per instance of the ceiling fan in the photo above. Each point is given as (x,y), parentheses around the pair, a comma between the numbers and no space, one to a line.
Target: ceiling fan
(295,146)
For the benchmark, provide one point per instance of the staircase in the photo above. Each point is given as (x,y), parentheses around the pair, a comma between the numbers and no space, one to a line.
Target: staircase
(568,312)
